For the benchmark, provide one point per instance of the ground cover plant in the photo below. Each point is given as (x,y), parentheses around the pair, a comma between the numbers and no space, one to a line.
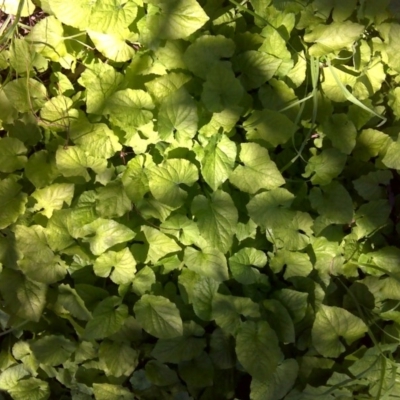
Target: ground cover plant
(199,199)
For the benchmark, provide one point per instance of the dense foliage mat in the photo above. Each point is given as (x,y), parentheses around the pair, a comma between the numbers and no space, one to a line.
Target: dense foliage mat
(199,199)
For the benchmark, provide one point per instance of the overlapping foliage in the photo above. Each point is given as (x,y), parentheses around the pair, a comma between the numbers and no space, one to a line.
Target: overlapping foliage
(198,199)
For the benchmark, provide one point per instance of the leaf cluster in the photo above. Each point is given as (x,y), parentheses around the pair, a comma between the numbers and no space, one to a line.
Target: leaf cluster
(199,199)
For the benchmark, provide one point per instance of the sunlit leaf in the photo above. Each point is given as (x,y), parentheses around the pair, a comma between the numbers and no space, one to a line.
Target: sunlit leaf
(330,325)
(258,172)
(101,16)
(108,317)
(158,316)
(176,19)
(217,217)
(120,266)
(12,202)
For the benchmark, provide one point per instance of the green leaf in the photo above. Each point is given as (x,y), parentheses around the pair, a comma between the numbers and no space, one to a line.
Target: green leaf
(52,349)
(158,316)
(222,349)
(171,55)
(183,228)
(107,391)
(57,232)
(341,9)
(258,350)
(143,281)
(129,108)
(10,377)
(221,90)
(113,45)
(295,302)
(160,244)
(258,172)
(278,385)
(70,300)
(297,74)
(294,234)
(101,81)
(8,112)
(23,58)
(25,298)
(57,113)
(369,144)
(274,42)
(203,293)
(387,258)
(38,263)
(53,197)
(181,348)
(217,218)
(139,380)
(279,317)
(31,388)
(324,167)
(255,68)
(22,352)
(102,16)
(297,264)
(373,185)
(270,126)
(341,131)
(134,178)
(41,169)
(225,120)
(370,81)
(119,359)
(218,161)
(12,154)
(177,117)
(392,157)
(207,50)
(73,161)
(98,141)
(389,32)
(152,208)
(107,233)
(334,205)
(47,38)
(371,216)
(140,139)
(160,374)
(121,263)
(330,324)
(330,86)
(333,37)
(197,372)
(165,178)
(209,262)
(176,19)
(277,95)
(248,230)
(187,281)
(270,209)
(108,318)
(241,263)
(112,201)
(162,86)
(25,94)
(12,202)
(12,6)
(394,101)
(227,311)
